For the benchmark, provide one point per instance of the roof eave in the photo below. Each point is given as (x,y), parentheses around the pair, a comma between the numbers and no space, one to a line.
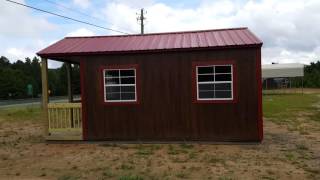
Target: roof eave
(56,55)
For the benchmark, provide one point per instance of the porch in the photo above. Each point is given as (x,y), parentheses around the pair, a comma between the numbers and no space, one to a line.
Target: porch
(63,120)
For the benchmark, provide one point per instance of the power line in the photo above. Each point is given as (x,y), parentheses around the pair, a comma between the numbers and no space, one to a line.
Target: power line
(66,17)
(80,12)
(70,9)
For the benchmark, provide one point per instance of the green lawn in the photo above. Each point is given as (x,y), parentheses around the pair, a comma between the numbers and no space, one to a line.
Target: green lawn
(292,110)
(279,106)
(29,113)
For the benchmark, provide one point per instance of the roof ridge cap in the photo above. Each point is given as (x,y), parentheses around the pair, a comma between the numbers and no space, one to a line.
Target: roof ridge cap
(159,33)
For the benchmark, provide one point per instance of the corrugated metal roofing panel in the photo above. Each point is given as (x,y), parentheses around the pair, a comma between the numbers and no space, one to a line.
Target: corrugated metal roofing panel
(153,42)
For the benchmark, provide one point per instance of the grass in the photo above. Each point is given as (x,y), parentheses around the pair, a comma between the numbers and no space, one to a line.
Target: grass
(175,150)
(292,110)
(107,173)
(68,177)
(130,177)
(280,107)
(182,175)
(280,149)
(32,113)
(146,150)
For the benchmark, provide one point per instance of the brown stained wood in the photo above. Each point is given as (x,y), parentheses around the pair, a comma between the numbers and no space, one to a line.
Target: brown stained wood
(166,111)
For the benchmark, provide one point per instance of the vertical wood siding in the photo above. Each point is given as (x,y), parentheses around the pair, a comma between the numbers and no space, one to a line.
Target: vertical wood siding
(166,110)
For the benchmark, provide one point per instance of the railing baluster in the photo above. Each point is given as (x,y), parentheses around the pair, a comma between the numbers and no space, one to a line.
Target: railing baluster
(64,115)
(75,123)
(77,116)
(65,118)
(78,113)
(60,117)
(69,117)
(56,118)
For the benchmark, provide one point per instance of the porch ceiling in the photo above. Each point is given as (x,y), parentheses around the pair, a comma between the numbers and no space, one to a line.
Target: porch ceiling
(68,59)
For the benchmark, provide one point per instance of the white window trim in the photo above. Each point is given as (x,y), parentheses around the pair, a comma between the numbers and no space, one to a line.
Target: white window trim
(119,85)
(214,82)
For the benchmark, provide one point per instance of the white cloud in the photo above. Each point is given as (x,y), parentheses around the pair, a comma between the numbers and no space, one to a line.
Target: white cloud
(81,32)
(82,3)
(17,21)
(289,28)
(18,54)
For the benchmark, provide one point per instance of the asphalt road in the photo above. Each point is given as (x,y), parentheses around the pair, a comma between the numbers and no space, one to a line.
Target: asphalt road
(31,101)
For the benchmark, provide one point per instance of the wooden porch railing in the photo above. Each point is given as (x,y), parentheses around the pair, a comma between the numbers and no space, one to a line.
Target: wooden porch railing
(64,116)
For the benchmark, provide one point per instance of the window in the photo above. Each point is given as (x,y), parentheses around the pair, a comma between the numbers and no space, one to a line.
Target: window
(120,85)
(214,82)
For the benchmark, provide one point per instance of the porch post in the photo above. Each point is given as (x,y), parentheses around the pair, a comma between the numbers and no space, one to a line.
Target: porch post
(69,74)
(45,100)
(70,95)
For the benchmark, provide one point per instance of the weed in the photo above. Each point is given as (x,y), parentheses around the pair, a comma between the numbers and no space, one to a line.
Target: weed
(301,147)
(144,151)
(186,146)
(290,156)
(213,159)
(181,175)
(192,155)
(107,173)
(68,177)
(126,167)
(172,150)
(312,170)
(130,177)
(225,178)
(267,177)
(109,145)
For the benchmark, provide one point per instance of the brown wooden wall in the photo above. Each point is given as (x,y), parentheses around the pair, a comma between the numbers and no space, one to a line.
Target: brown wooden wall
(166,111)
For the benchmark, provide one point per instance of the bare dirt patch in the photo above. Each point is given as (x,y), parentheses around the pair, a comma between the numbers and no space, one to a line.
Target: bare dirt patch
(285,153)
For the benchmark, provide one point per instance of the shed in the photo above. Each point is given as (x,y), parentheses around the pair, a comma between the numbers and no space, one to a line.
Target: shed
(178,86)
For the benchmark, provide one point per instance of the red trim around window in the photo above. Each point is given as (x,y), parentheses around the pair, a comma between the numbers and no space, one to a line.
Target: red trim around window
(208,63)
(121,66)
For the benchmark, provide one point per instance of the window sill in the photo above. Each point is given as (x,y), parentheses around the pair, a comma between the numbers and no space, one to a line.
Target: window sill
(233,101)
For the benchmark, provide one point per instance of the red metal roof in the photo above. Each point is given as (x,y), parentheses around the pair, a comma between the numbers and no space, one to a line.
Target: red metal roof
(216,38)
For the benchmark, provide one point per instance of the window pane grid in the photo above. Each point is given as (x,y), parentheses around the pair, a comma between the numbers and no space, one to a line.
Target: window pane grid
(123,82)
(215,85)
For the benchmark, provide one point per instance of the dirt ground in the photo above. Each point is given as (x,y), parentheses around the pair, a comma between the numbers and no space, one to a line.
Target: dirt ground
(284,154)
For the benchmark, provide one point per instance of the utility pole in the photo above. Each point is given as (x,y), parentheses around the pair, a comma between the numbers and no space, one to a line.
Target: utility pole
(141,18)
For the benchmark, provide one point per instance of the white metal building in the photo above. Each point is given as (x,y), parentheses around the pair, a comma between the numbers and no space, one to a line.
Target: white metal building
(282,70)
(280,75)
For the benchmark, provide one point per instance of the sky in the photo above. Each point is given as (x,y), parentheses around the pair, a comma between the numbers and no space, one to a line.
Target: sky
(289,28)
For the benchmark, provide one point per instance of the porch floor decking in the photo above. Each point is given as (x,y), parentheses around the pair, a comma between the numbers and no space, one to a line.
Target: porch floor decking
(65,134)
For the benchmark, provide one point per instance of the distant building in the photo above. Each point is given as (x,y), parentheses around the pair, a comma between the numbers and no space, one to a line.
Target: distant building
(280,75)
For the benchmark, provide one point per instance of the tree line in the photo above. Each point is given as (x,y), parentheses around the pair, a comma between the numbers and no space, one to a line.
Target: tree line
(16,77)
